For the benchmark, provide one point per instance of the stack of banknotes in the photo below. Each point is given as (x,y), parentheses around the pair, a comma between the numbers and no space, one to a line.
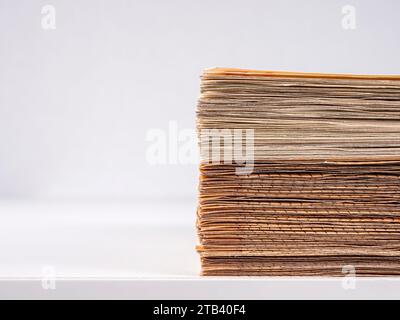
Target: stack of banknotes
(299,173)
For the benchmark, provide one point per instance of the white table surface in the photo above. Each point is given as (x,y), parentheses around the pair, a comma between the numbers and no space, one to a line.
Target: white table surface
(128,250)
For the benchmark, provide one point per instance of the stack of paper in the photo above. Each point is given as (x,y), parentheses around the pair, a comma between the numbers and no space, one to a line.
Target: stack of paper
(300,173)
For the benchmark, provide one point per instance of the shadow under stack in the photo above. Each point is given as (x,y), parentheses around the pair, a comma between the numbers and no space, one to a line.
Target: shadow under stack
(323,193)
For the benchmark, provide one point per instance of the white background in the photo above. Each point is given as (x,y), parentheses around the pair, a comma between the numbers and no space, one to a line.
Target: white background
(76,103)
(77,193)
